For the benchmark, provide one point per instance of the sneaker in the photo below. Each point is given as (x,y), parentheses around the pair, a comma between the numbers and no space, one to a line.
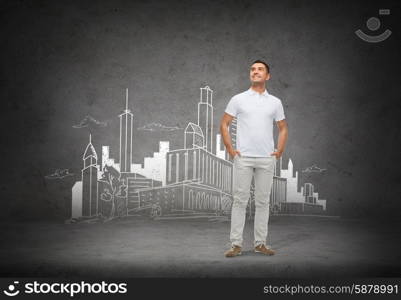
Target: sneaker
(234,251)
(264,250)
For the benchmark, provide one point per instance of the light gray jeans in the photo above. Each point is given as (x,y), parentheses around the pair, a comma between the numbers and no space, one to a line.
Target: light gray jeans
(262,168)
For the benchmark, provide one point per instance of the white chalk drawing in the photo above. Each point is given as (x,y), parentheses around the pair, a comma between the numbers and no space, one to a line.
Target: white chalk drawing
(126,127)
(313,169)
(90,181)
(59,174)
(114,192)
(297,202)
(87,121)
(194,181)
(158,127)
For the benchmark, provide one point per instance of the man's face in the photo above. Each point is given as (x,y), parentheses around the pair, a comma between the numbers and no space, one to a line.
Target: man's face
(258,73)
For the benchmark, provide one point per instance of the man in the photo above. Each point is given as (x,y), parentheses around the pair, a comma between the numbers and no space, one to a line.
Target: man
(255,110)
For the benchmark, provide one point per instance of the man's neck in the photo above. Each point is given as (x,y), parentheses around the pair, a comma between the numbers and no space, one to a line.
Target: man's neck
(260,88)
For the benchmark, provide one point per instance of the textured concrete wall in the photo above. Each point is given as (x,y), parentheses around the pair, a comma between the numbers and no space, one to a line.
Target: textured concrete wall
(63,60)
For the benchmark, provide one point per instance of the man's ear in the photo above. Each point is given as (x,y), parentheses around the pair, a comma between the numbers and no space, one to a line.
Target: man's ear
(268,76)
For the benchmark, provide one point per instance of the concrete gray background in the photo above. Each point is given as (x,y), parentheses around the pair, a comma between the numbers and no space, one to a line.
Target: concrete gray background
(62,60)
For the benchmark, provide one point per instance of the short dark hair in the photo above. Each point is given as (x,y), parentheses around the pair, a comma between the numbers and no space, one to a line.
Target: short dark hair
(262,62)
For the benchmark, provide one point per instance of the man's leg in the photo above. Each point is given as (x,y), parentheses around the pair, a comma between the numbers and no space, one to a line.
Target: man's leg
(242,177)
(263,183)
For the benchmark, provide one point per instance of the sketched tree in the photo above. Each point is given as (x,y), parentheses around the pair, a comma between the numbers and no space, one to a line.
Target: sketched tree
(114,189)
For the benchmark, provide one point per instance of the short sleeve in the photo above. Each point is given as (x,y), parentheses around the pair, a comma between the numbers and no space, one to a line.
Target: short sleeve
(231,108)
(279,112)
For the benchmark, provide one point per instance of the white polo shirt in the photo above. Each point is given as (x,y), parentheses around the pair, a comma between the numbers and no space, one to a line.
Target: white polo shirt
(255,114)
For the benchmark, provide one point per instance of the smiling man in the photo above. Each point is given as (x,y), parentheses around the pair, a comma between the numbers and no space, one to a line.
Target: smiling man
(255,110)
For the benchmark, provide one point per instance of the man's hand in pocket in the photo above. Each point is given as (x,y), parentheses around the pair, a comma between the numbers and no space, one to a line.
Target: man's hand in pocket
(234,152)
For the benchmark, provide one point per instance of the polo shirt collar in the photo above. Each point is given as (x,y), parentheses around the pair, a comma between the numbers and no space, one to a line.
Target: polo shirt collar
(252,92)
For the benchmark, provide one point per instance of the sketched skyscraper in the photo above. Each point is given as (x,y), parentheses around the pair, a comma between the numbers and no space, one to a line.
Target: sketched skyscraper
(126,126)
(193,137)
(308,193)
(89,181)
(205,117)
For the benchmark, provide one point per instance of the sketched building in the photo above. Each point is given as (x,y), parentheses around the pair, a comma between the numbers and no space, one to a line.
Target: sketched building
(193,136)
(76,203)
(136,182)
(308,193)
(205,117)
(221,153)
(89,181)
(154,167)
(304,202)
(196,179)
(278,193)
(126,127)
(133,181)
(106,160)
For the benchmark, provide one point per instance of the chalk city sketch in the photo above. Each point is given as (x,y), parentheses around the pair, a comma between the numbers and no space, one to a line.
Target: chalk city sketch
(195,180)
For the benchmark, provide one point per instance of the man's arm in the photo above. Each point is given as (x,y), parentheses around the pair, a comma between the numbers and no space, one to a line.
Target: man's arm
(225,122)
(282,138)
